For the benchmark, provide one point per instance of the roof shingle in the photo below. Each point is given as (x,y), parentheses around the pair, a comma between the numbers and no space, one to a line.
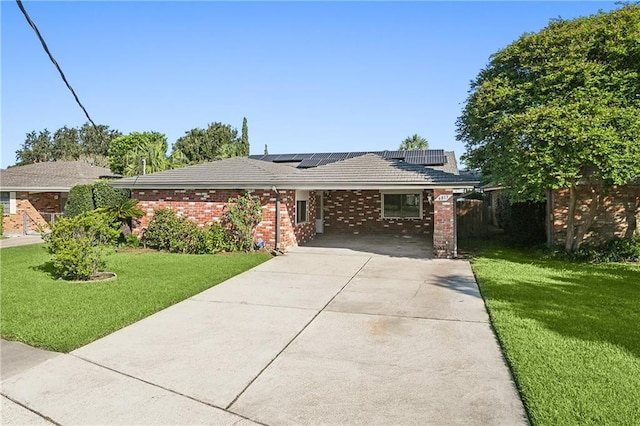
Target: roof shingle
(51,176)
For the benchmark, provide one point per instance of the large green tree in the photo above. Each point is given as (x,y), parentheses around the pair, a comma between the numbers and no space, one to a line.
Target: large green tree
(244,139)
(37,148)
(138,153)
(559,109)
(216,142)
(67,143)
(413,143)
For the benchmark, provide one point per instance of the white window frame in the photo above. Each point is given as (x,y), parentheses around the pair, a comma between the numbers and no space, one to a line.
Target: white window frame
(12,203)
(402,192)
(302,196)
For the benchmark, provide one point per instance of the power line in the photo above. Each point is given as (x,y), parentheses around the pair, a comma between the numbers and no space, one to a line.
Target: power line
(55,63)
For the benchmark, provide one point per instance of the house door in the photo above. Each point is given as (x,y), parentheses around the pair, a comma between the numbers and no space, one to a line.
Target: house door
(319,213)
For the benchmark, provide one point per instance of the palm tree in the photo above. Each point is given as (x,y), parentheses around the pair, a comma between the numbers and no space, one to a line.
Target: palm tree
(413,143)
(123,212)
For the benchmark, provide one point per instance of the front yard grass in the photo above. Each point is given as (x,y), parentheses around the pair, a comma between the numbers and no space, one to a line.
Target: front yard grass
(571,333)
(37,309)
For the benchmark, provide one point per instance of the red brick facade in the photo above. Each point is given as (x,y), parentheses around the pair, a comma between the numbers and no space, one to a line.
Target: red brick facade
(618,214)
(48,202)
(344,212)
(15,223)
(444,230)
(205,207)
(361,212)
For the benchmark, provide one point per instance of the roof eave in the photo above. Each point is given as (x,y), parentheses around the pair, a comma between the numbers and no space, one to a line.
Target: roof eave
(35,189)
(293,185)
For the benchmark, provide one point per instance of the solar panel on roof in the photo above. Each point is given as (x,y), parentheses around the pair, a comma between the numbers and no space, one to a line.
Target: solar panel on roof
(306,164)
(300,157)
(283,158)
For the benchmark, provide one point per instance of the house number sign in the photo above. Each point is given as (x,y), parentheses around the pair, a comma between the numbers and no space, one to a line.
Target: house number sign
(443,197)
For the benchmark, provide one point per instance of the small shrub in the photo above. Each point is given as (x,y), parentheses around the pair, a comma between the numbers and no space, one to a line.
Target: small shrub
(80,201)
(78,243)
(1,219)
(163,229)
(219,238)
(132,241)
(615,250)
(242,215)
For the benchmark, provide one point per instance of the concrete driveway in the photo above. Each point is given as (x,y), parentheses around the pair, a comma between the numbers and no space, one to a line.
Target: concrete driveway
(327,334)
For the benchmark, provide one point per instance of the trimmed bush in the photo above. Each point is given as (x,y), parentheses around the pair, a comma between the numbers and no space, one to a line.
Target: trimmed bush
(80,201)
(163,229)
(78,244)
(85,198)
(106,196)
(1,217)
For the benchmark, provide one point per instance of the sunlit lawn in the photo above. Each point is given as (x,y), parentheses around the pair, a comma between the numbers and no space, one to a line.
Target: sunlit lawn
(37,309)
(571,333)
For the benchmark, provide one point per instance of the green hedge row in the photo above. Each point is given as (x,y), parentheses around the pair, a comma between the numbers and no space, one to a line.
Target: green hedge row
(86,198)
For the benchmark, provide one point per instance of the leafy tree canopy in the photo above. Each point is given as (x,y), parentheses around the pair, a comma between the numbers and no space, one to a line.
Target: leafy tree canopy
(559,108)
(138,153)
(66,144)
(216,142)
(413,143)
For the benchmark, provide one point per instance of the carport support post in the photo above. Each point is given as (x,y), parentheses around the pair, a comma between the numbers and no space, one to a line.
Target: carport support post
(277,242)
(444,225)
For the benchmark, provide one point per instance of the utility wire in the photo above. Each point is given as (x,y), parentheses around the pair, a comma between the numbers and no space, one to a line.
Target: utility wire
(55,63)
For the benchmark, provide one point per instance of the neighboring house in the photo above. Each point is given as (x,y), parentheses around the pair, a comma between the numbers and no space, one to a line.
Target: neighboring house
(33,194)
(395,192)
(617,215)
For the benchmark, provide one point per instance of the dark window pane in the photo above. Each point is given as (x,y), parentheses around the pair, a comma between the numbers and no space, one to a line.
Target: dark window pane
(301,211)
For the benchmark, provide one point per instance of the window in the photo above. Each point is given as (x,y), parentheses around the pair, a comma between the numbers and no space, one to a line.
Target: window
(5,197)
(301,206)
(406,206)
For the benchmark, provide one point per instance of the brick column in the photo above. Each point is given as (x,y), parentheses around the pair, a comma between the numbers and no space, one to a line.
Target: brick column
(444,232)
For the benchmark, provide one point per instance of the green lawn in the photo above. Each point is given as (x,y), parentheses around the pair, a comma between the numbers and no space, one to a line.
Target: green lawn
(39,310)
(571,333)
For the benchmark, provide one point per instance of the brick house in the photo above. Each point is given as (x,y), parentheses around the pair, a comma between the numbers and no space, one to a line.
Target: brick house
(617,214)
(33,194)
(392,192)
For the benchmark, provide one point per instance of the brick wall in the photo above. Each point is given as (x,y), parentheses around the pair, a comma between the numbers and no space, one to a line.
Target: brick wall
(444,237)
(361,212)
(618,214)
(206,206)
(49,202)
(14,223)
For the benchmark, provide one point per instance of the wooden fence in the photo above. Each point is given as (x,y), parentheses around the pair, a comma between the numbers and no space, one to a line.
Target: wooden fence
(472,218)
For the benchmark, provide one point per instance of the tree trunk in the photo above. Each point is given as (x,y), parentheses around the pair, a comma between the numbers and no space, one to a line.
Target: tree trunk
(125,229)
(571,219)
(588,220)
(575,236)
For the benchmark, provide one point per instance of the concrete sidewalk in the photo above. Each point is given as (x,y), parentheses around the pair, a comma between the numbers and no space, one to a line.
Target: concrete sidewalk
(20,240)
(319,336)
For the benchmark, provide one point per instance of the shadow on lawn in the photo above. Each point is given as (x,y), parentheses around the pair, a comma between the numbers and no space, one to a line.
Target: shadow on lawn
(592,302)
(47,268)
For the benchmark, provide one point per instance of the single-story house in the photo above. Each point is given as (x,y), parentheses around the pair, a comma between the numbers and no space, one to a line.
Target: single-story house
(394,192)
(617,213)
(34,193)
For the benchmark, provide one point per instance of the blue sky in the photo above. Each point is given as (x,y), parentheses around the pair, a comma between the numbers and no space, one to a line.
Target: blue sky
(309,76)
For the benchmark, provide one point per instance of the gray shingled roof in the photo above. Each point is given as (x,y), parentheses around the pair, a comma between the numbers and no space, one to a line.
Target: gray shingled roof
(372,170)
(237,172)
(366,171)
(51,176)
